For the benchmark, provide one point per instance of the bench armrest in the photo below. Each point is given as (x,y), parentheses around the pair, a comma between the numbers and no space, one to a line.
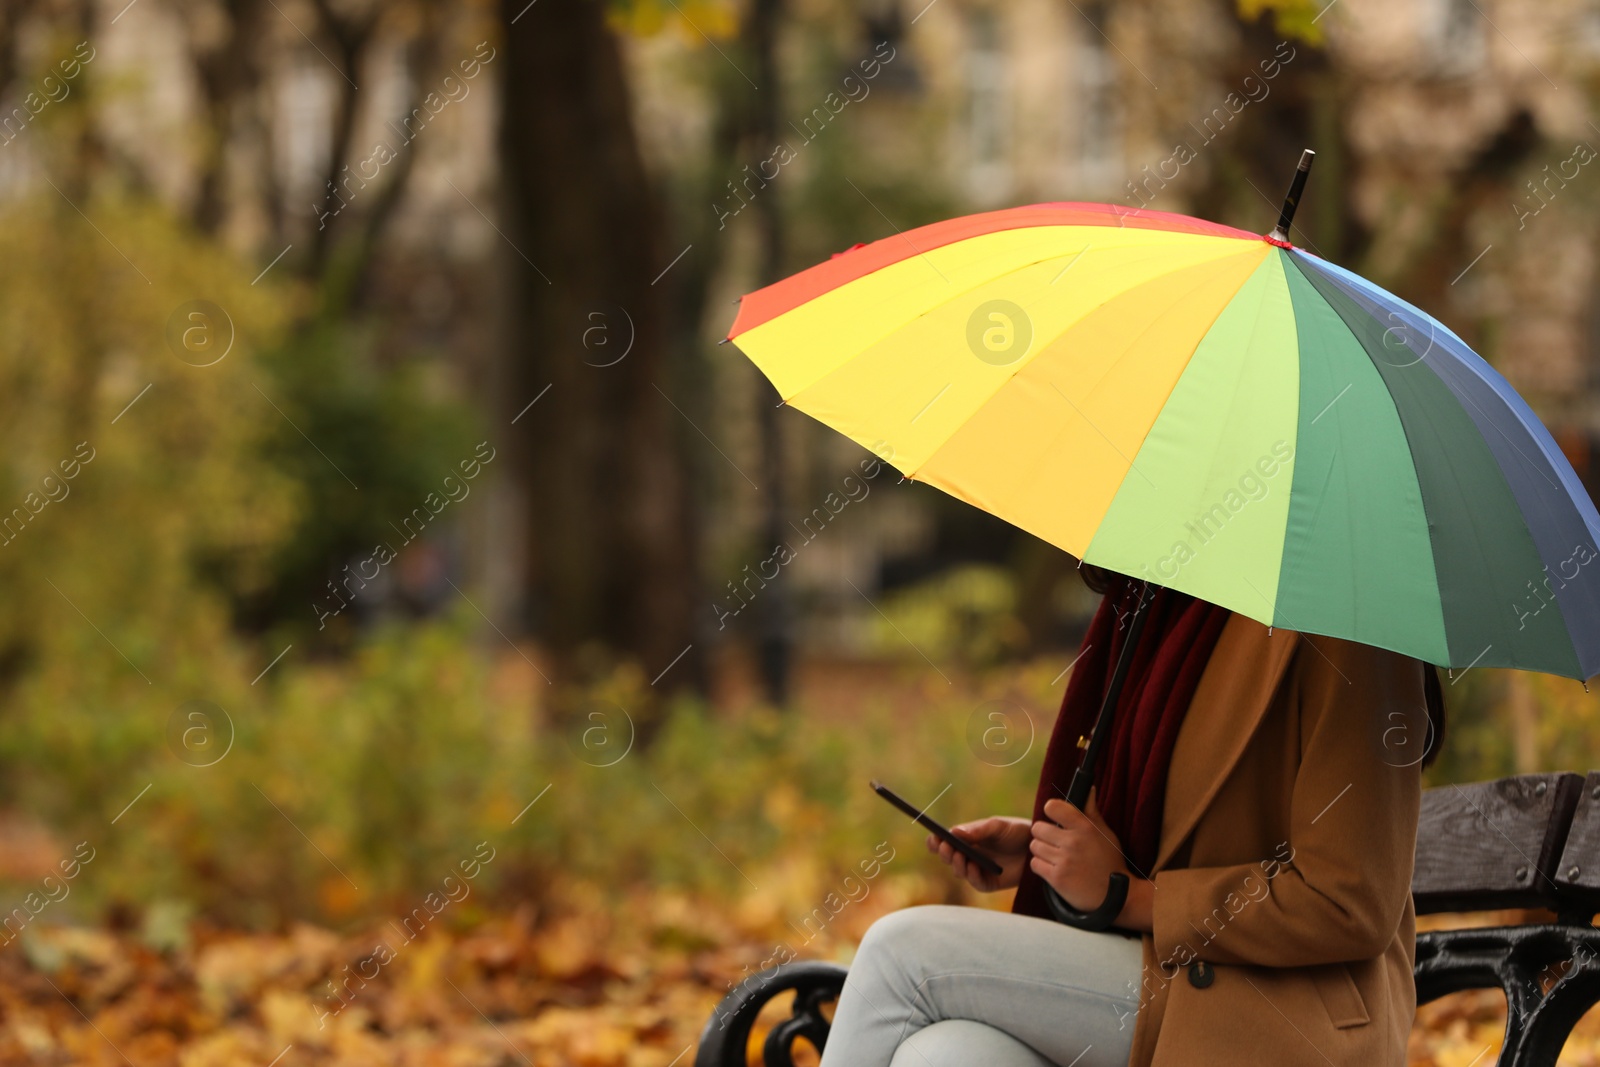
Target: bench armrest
(726,1036)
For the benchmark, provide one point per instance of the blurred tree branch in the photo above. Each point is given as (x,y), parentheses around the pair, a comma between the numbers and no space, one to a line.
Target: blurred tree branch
(12,16)
(228,70)
(351,36)
(345,273)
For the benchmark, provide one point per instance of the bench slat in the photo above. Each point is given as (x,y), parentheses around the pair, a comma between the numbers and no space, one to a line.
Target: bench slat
(1495,844)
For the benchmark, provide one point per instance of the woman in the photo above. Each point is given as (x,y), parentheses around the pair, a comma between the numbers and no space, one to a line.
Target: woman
(1260,790)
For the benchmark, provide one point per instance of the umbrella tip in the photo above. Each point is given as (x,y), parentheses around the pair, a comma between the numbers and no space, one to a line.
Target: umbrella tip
(1280,233)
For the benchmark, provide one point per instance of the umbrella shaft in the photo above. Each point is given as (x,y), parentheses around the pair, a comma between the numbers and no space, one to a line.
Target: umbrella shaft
(1083,777)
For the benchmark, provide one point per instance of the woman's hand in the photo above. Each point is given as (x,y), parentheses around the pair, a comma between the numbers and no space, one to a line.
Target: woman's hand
(1077,854)
(1002,838)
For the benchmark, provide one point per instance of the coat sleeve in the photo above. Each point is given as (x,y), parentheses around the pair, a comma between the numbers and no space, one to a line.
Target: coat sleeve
(1346,876)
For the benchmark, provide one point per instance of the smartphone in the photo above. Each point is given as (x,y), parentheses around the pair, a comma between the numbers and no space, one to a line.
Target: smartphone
(985,864)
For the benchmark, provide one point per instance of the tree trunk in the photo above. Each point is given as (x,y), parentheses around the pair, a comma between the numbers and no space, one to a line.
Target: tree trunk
(773,612)
(611,563)
(1522,706)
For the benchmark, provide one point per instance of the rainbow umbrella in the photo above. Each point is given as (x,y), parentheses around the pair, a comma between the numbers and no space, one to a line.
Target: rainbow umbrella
(1209,409)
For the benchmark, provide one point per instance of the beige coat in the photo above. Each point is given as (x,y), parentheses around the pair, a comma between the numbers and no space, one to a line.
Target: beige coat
(1284,928)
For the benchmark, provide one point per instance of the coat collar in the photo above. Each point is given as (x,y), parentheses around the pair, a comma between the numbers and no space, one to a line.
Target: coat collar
(1234,693)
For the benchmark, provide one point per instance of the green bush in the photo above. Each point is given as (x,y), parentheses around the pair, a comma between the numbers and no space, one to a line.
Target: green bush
(351,790)
(966,614)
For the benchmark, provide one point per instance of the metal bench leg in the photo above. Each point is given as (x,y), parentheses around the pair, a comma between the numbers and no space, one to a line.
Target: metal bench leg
(1512,958)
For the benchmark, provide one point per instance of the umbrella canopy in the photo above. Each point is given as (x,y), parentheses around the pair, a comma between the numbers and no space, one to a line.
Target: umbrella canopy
(1211,410)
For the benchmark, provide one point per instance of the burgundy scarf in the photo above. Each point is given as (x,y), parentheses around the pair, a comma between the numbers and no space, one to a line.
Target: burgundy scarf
(1131,779)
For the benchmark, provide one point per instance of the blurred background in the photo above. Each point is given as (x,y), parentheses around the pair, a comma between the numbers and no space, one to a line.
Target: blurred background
(391,554)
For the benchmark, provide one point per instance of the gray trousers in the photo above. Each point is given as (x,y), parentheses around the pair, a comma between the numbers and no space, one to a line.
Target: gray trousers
(942,986)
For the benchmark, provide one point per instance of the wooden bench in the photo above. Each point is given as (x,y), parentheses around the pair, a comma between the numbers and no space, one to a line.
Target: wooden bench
(1532,841)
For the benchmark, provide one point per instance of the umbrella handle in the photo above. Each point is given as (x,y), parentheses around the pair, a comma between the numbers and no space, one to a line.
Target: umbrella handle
(1100,918)
(1077,794)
